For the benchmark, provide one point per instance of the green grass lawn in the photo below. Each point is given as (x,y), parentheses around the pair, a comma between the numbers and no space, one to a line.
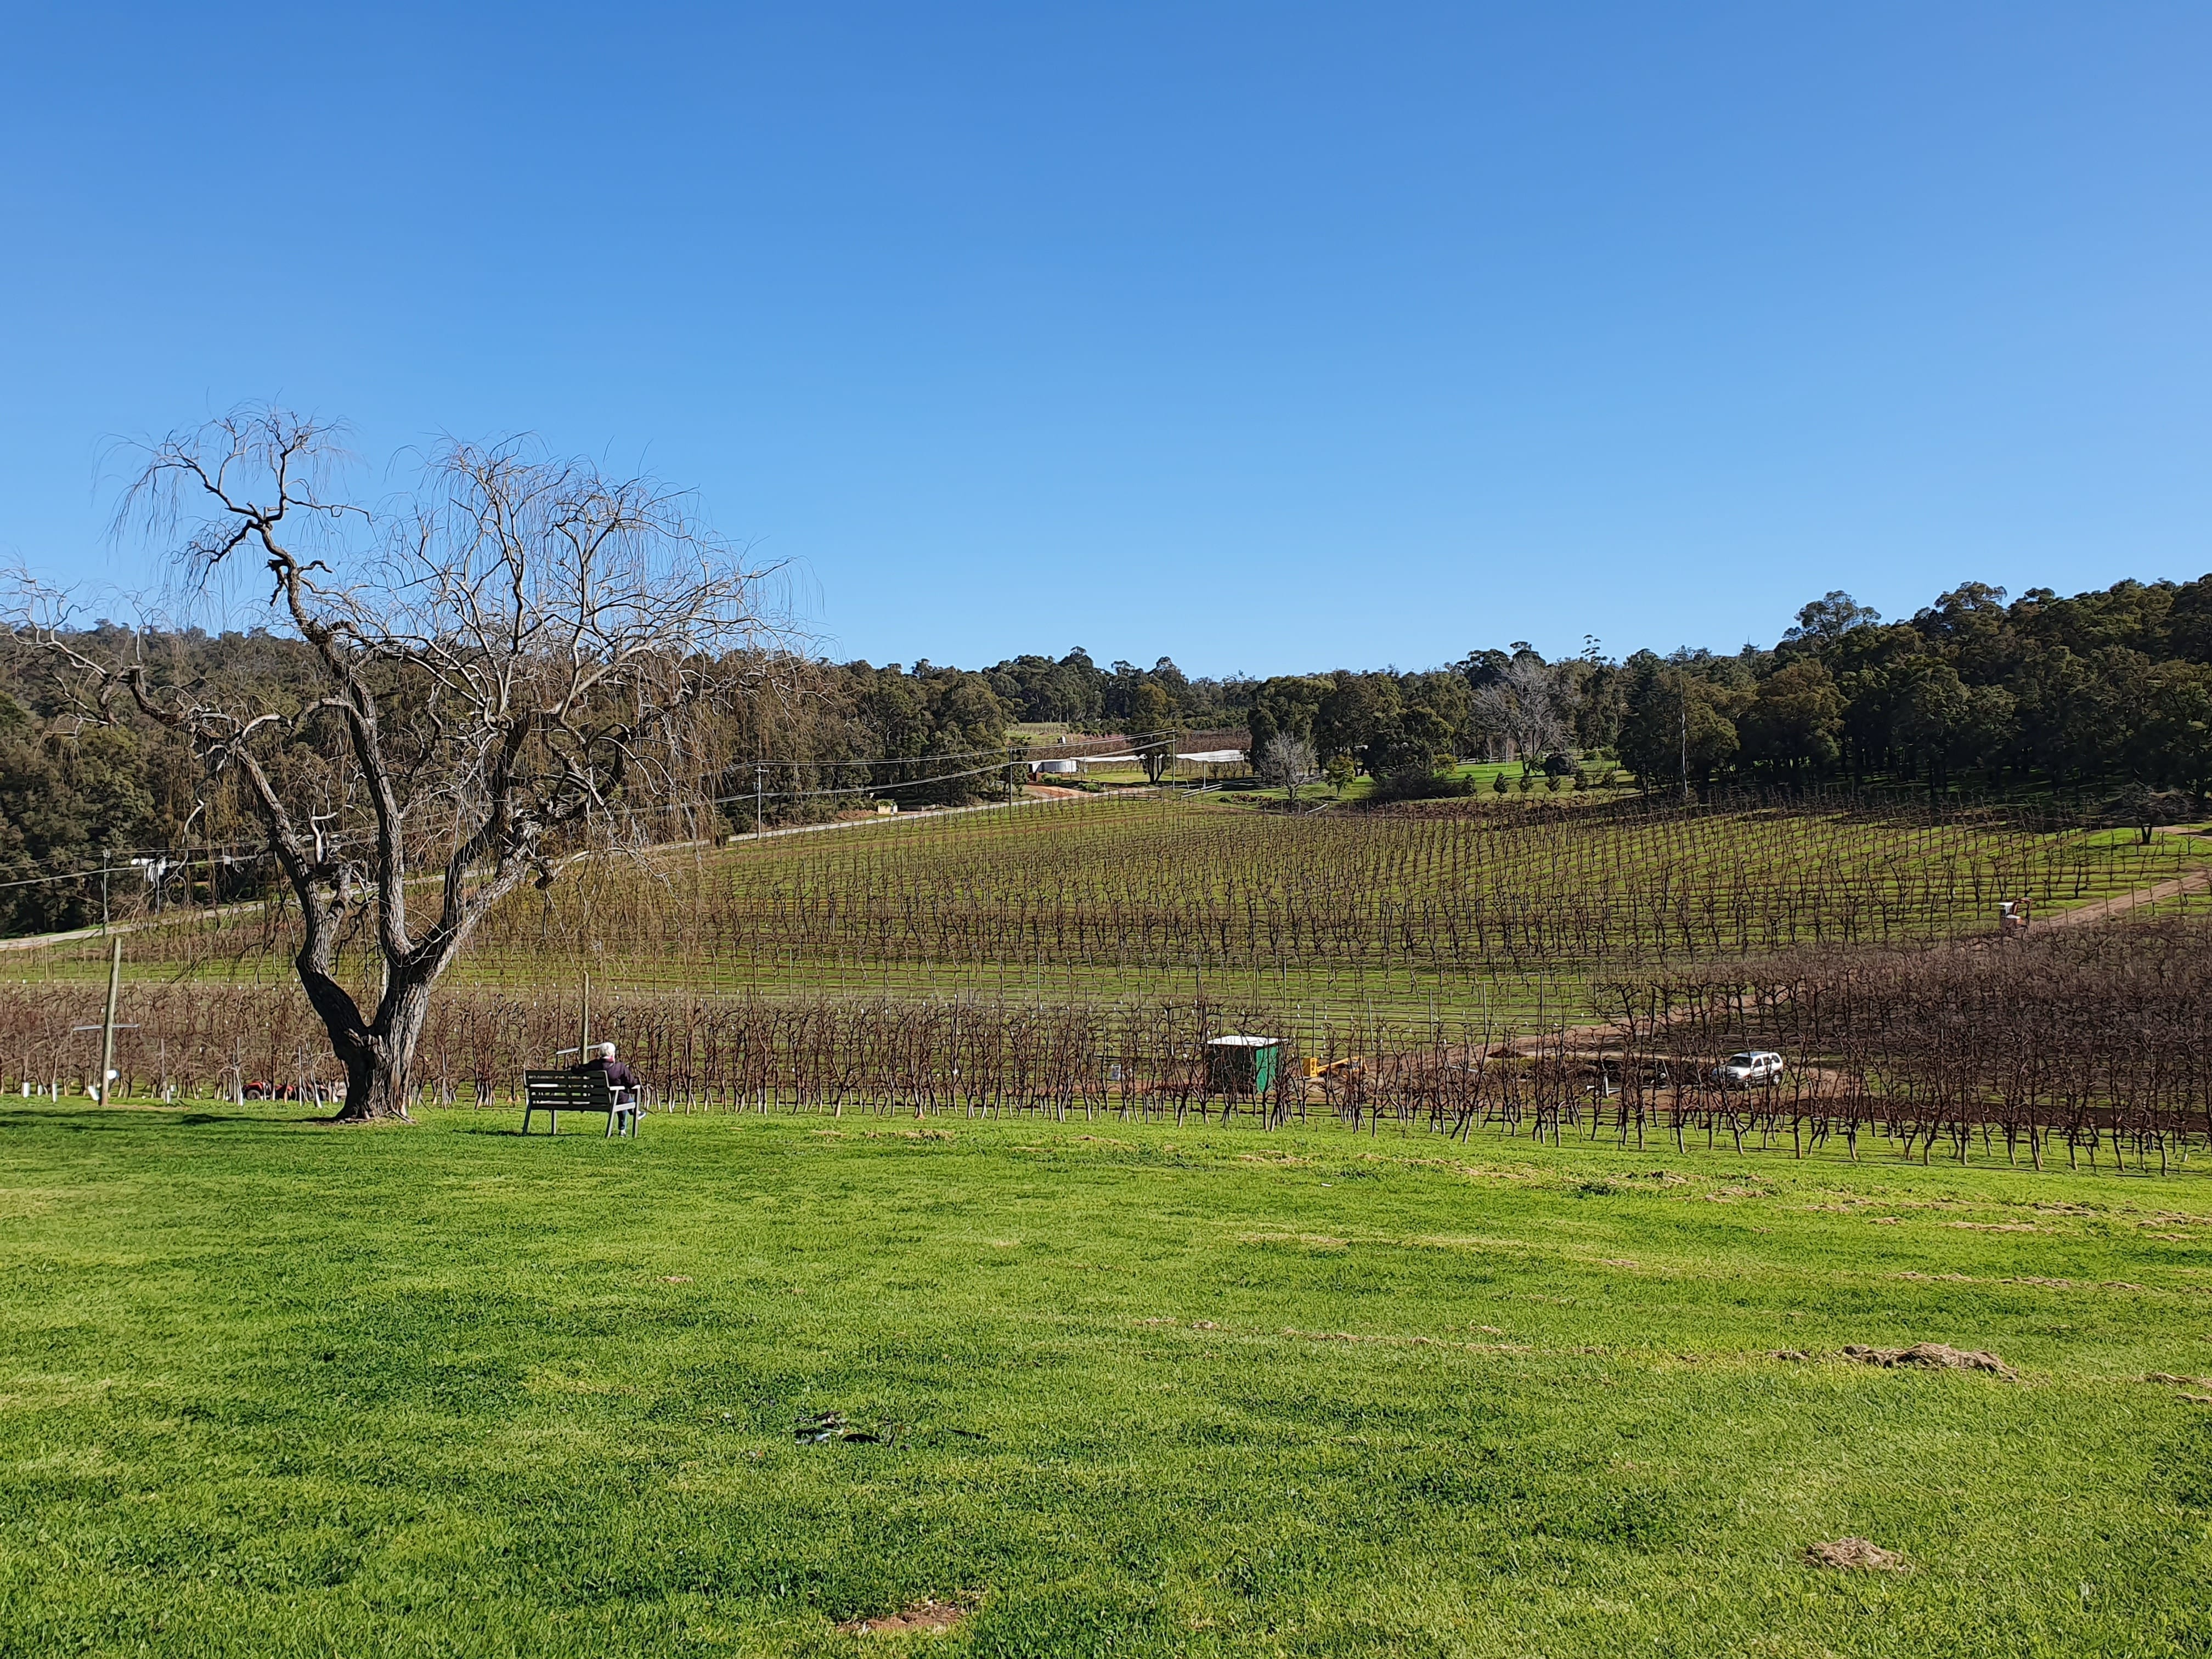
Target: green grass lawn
(274,1387)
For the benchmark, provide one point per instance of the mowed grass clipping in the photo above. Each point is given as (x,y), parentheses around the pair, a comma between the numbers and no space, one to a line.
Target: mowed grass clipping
(275,1388)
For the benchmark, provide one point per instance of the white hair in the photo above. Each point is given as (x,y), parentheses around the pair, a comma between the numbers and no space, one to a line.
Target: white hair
(606,1051)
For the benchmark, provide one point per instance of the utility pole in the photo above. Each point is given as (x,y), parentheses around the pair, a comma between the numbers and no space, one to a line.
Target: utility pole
(107,1022)
(584,1031)
(760,799)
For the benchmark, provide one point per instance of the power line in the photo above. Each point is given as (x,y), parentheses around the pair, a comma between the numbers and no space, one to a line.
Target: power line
(182,860)
(956,754)
(72,875)
(182,857)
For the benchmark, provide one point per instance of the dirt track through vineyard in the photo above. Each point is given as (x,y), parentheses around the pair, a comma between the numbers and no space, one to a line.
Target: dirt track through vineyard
(2195,881)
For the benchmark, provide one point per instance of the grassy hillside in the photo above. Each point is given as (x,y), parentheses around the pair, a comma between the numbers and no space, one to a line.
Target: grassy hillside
(271,1388)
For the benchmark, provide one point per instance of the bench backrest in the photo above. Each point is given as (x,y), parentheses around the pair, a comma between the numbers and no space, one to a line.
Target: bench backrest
(581,1091)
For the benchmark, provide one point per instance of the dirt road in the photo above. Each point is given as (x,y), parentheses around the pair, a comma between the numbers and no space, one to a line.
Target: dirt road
(2193,881)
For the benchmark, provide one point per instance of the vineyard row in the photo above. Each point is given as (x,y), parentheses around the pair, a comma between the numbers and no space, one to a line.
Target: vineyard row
(2102,1040)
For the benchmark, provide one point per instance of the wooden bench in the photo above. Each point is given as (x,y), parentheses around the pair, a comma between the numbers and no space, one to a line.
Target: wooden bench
(555,1092)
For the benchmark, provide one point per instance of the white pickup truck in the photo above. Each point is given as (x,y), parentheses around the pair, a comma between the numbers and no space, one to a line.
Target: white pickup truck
(1752,1065)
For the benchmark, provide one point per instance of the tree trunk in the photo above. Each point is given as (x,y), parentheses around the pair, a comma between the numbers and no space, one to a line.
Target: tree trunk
(379,1059)
(376,1092)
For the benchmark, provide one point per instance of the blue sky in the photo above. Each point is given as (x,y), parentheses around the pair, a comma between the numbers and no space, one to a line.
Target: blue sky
(1270,337)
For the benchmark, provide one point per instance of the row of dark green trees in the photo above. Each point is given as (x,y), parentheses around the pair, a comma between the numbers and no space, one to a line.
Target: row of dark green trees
(2109,690)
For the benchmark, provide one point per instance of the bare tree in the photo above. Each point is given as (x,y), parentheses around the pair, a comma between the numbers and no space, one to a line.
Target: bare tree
(513,663)
(1531,705)
(1287,762)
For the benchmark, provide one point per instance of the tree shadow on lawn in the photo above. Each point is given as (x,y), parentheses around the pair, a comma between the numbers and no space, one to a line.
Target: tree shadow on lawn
(100,1119)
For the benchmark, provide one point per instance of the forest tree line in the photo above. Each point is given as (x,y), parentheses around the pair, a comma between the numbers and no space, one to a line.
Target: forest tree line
(2104,689)
(79,798)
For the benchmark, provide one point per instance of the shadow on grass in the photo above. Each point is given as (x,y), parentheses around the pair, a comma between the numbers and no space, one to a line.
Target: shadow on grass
(127,1117)
(591,1129)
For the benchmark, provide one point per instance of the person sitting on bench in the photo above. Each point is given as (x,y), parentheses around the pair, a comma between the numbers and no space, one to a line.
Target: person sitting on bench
(620,1080)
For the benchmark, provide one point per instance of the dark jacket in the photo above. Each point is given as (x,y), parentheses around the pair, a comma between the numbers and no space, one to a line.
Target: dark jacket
(618,1075)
